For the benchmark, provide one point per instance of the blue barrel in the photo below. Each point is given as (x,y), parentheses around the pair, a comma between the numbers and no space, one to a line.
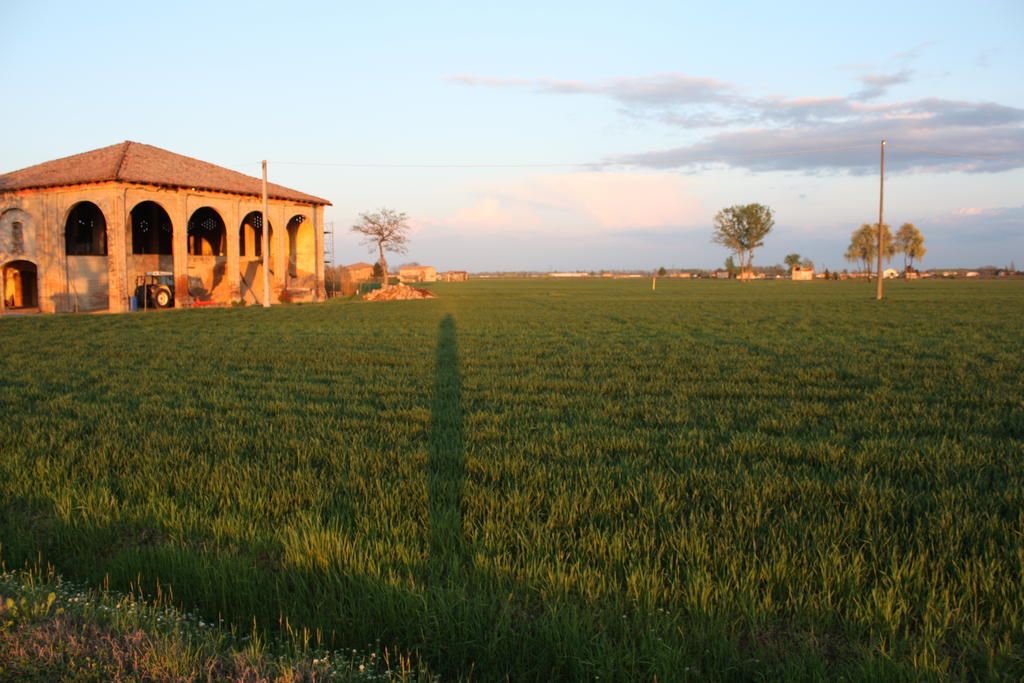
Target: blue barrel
(133,303)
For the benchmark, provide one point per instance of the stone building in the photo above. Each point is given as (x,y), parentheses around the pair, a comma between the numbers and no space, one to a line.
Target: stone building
(802,273)
(77,233)
(417,274)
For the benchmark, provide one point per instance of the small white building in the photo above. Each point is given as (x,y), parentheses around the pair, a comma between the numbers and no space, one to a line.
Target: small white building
(801,273)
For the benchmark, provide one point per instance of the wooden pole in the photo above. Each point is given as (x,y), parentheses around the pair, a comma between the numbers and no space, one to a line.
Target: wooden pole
(266,242)
(881,221)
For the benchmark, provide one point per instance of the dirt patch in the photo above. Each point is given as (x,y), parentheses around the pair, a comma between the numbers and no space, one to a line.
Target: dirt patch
(398,293)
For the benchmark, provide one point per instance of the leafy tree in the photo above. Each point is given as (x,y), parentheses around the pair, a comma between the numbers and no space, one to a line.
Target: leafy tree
(730,267)
(807,264)
(864,246)
(383,230)
(792,260)
(662,272)
(377,270)
(741,229)
(910,243)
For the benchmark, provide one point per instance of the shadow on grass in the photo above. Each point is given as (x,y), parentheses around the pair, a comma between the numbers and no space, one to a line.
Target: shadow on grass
(446,466)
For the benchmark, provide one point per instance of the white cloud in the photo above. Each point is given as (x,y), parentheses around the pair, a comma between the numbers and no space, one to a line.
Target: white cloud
(579,203)
(655,89)
(876,85)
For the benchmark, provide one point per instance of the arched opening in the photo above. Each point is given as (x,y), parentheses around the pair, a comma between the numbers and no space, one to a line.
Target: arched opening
(250,256)
(206,233)
(86,266)
(152,251)
(20,285)
(151,230)
(301,249)
(207,260)
(85,231)
(207,256)
(250,236)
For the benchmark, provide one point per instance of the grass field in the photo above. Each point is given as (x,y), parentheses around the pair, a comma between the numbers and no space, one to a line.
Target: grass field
(542,479)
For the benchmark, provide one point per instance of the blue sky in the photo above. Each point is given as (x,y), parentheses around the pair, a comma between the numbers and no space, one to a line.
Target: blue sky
(562,90)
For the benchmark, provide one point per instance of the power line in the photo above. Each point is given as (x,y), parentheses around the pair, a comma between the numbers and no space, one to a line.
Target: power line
(988,157)
(648,162)
(623,162)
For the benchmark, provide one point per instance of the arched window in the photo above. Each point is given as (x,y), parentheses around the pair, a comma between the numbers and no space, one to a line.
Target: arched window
(17,238)
(151,229)
(85,232)
(206,234)
(250,236)
(301,247)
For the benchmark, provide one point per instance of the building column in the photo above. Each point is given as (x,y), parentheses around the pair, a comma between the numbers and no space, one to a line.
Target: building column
(278,251)
(50,276)
(117,254)
(320,291)
(232,222)
(179,249)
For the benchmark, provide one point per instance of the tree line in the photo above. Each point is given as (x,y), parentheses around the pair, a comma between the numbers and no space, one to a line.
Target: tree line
(864,245)
(742,228)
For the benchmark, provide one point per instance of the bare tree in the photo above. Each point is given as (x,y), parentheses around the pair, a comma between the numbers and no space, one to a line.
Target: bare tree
(383,230)
(741,229)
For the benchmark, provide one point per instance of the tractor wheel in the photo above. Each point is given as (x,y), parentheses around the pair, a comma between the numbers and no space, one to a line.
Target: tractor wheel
(162,298)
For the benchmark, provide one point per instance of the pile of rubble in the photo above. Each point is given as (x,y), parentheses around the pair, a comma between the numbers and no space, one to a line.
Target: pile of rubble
(398,293)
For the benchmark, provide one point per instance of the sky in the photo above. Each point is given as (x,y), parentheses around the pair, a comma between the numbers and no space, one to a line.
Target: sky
(558,135)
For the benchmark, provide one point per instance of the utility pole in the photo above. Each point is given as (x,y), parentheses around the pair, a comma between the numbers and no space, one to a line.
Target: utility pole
(266,242)
(881,205)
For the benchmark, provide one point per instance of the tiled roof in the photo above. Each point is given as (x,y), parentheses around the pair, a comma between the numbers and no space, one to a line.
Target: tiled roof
(357,266)
(134,162)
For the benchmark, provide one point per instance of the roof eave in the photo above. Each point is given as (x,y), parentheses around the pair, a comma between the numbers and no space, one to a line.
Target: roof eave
(313,200)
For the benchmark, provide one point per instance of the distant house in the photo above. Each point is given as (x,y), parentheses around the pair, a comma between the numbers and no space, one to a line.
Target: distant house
(721,274)
(417,274)
(454,276)
(357,272)
(560,274)
(801,273)
(890,273)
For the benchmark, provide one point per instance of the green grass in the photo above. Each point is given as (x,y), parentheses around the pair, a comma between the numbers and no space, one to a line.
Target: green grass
(543,479)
